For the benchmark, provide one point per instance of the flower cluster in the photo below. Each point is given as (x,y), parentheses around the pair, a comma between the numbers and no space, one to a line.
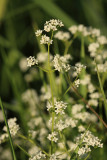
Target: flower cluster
(61,63)
(64,36)
(60,106)
(89,140)
(53,157)
(52,25)
(52,136)
(13,126)
(78,68)
(38,32)
(31,61)
(43,56)
(45,40)
(77,83)
(93,48)
(39,155)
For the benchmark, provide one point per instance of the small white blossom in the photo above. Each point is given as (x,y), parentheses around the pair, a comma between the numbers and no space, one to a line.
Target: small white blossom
(102,40)
(95,95)
(81,128)
(49,106)
(39,155)
(13,126)
(52,137)
(38,32)
(101,68)
(69,122)
(81,28)
(77,108)
(53,157)
(91,88)
(95,32)
(93,47)
(60,63)
(93,102)
(31,61)
(90,140)
(85,80)
(60,106)
(45,40)
(43,56)
(61,125)
(83,150)
(64,36)
(23,64)
(52,25)
(3,137)
(78,68)
(77,82)
(73,29)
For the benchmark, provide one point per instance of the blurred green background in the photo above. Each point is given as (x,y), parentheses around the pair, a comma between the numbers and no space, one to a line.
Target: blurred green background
(18,21)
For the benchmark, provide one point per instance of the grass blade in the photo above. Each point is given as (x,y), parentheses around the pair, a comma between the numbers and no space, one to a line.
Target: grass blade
(8,131)
(52,9)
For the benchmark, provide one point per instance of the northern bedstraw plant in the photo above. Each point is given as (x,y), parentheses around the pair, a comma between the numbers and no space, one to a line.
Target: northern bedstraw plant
(60,124)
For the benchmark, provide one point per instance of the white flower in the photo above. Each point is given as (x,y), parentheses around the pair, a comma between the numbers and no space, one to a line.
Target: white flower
(77,108)
(60,63)
(38,32)
(62,35)
(52,137)
(85,80)
(53,157)
(95,32)
(78,68)
(73,29)
(91,140)
(49,106)
(60,106)
(83,150)
(91,88)
(81,28)
(81,128)
(93,102)
(93,47)
(3,137)
(45,40)
(52,25)
(77,82)
(38,155)
(70,122)
(61,125)
(43,56)
(23,64)
(31,61)
(13,126)
(101,68)
(95,95)
(102,40)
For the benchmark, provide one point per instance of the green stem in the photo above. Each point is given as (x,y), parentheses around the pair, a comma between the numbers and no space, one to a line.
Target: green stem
(101,87)
(50,80)
(8,131)
(31,141)
(23,150)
